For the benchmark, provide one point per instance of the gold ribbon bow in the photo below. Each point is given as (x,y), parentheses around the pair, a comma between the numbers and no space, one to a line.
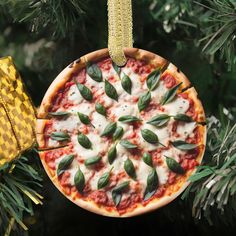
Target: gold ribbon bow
(17,114)
(119,29)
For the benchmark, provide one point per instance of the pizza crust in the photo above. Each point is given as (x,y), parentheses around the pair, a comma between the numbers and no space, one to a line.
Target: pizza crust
(59,82)
(192,93)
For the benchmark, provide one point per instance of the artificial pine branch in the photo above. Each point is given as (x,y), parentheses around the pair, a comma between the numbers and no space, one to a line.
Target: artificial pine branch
(219,29)
(56,16)
(213,186)
(18,184)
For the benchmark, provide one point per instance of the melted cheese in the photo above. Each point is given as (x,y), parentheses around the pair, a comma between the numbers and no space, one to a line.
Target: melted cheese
(122,155)
(142,173)
(94,84)
(178,105)
(99,121)
(162,173)
(124,109)
(163,134)
(74,95)
(69,124)
(185,129)
(172,153)
(97,146)
(158,92)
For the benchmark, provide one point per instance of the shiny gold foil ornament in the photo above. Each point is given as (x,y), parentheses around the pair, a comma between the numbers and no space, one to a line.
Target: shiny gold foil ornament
(17,114)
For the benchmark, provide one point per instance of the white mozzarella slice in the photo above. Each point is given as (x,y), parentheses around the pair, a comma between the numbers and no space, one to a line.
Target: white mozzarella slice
(178,105)
(52,143)
(72,170)
(97,146)
(172,153)
(124,109)
(108,102)
(94,180)
(142,173)
(86,108)
(99,121)
(158,92)
(70,124)
(162,133)
(185,129)
(162,173)
(122,155)
(94,84)
(74,95)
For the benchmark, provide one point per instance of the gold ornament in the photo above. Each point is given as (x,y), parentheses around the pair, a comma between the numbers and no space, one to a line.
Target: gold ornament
(119,29)
(17,114)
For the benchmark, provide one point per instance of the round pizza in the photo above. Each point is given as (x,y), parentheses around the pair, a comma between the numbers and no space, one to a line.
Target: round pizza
(121,141)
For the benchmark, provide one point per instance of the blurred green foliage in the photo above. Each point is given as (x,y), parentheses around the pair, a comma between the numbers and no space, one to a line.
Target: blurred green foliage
(44,36)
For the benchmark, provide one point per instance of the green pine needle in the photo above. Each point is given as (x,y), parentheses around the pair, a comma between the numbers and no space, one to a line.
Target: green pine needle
(213,186)
(16,178)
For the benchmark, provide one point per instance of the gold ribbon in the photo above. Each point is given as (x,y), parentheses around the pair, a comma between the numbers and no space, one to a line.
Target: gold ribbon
(17,114)
(119,29)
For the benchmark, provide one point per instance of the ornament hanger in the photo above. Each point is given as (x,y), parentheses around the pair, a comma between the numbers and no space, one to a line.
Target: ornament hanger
(120,28)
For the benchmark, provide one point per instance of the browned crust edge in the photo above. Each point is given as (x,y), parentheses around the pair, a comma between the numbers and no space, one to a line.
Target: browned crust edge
(192,93)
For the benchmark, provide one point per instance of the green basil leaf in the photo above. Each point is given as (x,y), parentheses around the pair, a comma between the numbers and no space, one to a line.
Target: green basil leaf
(92,160)
(94,71)
(153,79)
(84,141)
(149,136)
(111,91)
(116,197)
(116,68)
(85,92)
(64,164)
(100,109)
(147,158)
(174,166)
(117,192)
(152,184)
(83,118)
(182,145)
(109,129)
(103,180)
(144,101)
(121,187)
(159,120)
(129,168)
(118,133)
(59,136)
(170,94)
(126,83)
(112,154)
(59,114)
(128,119)
(127,144)
(79,181)
(183,117)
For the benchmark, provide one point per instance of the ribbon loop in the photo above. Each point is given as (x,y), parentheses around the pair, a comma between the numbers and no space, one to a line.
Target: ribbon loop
(119,29)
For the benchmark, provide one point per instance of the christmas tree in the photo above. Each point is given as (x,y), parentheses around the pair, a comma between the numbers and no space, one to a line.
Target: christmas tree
(44,36)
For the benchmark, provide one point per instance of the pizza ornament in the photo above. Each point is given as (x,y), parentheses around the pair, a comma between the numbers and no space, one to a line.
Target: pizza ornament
(121,141)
